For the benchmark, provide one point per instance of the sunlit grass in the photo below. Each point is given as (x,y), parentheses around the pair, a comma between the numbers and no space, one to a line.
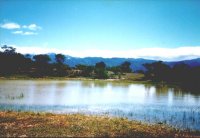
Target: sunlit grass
(75,125)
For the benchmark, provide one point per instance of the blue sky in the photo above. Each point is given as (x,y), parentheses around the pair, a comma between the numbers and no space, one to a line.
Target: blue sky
(101,25)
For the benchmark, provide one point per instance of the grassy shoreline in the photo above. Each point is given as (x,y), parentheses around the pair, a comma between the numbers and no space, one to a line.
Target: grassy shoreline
(134,78)
(71,78)
(29,124)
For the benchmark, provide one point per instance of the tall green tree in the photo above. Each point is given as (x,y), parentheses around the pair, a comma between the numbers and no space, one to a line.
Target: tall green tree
(60,58)
(11,62)
(8,49)
(100,65)
(61,68)
(125,67)
(42,59)
(158,71)
(100,70)
(43,68)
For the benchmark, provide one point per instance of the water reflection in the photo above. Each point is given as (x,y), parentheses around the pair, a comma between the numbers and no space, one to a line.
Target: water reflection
(145,102)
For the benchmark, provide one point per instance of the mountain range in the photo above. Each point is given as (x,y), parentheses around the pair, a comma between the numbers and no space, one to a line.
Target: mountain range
(136,63)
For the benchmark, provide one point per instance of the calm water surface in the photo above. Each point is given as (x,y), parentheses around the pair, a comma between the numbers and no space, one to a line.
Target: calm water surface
(148,103)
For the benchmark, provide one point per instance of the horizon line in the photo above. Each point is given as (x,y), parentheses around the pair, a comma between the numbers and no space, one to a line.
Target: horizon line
(153,53)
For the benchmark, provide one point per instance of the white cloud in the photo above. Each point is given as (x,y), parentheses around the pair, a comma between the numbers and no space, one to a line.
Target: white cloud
(166,54)
(32,27)
(17,32)
(21,30)
(24,33)
(10,25)
(30,33)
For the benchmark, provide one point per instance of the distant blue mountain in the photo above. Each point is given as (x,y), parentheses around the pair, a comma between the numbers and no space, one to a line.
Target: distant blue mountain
(136,63)
(191,63)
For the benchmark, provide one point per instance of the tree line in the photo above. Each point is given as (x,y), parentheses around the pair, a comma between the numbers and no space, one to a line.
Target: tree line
(13,63)
(182,74)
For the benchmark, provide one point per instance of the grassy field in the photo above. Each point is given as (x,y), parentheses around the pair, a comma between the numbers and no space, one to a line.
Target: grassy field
(125,78)
(28,124)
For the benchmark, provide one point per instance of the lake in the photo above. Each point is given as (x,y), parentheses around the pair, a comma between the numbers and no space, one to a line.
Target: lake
(142,102)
